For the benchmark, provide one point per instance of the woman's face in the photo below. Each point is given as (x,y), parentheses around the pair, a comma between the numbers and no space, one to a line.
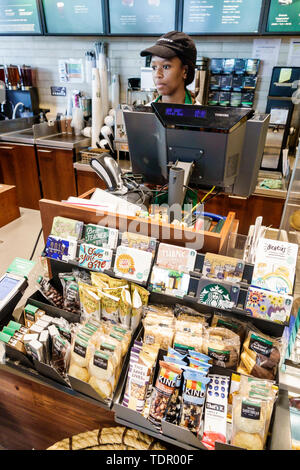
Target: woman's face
(168,74)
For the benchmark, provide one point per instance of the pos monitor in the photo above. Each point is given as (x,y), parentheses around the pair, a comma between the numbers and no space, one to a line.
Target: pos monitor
(211,137)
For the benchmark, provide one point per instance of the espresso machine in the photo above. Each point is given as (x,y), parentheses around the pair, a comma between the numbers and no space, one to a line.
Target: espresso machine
(21,97)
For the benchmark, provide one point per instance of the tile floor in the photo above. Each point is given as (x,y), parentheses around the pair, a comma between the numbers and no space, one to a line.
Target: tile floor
(17,239)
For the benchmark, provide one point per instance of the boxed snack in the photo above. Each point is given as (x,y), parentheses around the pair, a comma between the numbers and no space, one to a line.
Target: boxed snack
(104,237)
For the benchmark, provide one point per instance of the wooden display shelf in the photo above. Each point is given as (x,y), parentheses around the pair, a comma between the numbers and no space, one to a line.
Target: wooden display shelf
(201,241)
(8,200)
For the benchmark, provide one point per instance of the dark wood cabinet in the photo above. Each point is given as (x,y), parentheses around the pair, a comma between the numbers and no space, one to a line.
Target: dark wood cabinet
(18,167)
(57,173)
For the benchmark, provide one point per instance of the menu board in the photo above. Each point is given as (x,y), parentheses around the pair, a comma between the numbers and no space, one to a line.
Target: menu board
(284,16)
(142,16)
(73,16)
(221,16)
(19,17)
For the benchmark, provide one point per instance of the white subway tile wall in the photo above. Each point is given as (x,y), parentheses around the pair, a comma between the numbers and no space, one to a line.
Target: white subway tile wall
(44,52)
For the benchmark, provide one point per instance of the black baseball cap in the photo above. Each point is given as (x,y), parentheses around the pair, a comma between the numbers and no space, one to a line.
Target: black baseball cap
(173,44)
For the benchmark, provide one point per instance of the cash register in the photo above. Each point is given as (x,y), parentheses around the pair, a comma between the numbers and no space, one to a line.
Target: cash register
(224,144)
(182,145)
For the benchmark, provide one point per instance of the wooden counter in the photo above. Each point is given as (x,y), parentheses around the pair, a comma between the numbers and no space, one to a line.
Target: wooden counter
(35,417)
(9,204)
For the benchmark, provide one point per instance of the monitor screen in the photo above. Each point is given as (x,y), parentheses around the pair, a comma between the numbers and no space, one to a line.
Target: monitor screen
(73,16)
(7,284)
(19,17)
(221,16)
(185,112)
(141,16)
(284,16)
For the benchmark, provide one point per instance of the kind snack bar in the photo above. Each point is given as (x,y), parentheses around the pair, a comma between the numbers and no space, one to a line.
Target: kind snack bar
(193,397)
(163,391)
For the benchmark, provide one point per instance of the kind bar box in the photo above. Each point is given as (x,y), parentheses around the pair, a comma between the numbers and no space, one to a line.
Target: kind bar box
(64,228)
(176,257)
(94,257)
(269,305)
(101,236)
(133,264)
(62,249)
(223,268)
(275,265)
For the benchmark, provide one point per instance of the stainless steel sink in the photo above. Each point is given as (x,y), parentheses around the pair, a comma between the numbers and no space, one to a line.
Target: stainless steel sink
(22,135)
(28,132)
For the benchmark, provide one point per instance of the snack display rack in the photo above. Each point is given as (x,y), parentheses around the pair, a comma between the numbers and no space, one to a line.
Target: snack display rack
(16,362)
(209,241)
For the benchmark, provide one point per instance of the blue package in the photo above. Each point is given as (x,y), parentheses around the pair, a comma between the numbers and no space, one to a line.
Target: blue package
(199,356)
(200,364)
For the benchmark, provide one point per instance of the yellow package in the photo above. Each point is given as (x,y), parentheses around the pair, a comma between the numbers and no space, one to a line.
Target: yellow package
(90,302)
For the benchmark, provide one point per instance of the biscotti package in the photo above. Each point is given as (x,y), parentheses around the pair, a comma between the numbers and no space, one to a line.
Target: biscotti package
(94,257)
(275,265)
(269,305)
(218,294)
(138,241)
(223,268)
(176,257)
(170,282)
(63,227)
(104,237)
(132,264)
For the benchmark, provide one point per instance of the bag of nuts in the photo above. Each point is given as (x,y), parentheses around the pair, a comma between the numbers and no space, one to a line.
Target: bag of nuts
(162,392)
(193,397)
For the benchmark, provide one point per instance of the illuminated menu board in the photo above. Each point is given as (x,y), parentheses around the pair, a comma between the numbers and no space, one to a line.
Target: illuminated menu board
(221,16)
(73,16)
(142,16)
(19,17)
(284,16)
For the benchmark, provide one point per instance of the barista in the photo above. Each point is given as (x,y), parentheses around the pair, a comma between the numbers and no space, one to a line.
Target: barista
(173,60)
